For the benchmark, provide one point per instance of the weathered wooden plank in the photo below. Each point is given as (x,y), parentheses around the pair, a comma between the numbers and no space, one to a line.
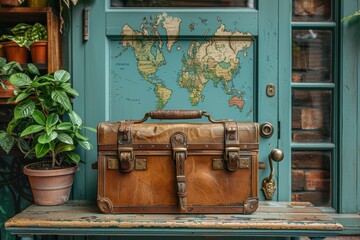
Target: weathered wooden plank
(86,215)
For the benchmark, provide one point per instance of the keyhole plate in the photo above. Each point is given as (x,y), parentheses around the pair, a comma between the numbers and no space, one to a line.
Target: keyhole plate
(270,90)
(266,130)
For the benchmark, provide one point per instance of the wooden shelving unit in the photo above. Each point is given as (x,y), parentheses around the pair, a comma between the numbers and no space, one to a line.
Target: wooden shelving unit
(10,16)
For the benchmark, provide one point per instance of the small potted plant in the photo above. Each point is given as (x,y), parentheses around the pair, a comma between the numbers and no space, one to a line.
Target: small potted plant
(37,37)
(45,127)
(26,36)
(16,48)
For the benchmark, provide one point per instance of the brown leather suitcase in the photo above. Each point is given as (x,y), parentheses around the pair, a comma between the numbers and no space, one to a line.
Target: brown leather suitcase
(178,167)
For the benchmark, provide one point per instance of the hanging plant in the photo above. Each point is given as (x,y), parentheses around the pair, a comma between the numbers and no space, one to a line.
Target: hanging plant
(348,18)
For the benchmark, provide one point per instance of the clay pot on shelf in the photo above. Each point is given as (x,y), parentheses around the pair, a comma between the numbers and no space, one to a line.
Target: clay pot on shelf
(9,91)
(50,187)
(12,3)
(2,52)
(39,52)
(14,52)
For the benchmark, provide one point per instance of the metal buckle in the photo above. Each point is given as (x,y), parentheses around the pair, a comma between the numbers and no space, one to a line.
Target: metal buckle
(126,159)
(230,163)
(179,150)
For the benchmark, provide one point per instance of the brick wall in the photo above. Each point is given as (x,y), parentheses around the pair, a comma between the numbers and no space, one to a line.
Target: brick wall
(311,177)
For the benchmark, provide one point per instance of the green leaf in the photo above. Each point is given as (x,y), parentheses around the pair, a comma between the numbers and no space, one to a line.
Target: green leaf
(65,138)
(41,149)
(67,88)
(75,118)
(23,145)
(36,33)
(62,76)
(12,125)
(6,141)
(73,156)
(22,96)
(85,144)
(46,138)
(32,129)
(90,129)
(24,109)
(62,98)
(81,137)
(64,126)
(52,146)
(2,62)
(52,119)
(63,147)
(20,80)
(33,69)
(37,84)
(20,29)
(39,117)
(11,68)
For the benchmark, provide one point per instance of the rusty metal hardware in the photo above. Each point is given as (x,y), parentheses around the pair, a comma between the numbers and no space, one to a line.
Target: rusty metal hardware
(244,163)
(266,130)
(268,184)
(85,24)
(232,158)
(270,90)
(140,164)
(126,159)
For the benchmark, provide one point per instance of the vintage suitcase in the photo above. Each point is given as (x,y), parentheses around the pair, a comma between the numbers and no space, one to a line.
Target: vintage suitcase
(173,167)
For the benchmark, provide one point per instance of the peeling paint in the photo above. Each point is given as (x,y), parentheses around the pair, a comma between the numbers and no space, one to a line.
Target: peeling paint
(270,216)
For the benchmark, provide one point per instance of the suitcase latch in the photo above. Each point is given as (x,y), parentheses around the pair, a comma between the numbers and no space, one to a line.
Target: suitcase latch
(126,159)
(232,158)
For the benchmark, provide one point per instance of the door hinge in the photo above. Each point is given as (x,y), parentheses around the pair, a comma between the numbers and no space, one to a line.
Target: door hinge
(85,24)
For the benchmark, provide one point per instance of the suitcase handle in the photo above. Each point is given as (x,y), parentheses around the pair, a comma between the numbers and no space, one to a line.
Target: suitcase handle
(176,114)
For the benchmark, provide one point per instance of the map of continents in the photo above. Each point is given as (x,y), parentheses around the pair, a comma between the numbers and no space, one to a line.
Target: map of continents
(215,59)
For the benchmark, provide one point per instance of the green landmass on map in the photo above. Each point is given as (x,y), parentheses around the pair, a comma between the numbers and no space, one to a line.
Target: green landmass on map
(215,59)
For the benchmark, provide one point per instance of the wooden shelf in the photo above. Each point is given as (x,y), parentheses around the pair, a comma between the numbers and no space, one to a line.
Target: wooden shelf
(11,16)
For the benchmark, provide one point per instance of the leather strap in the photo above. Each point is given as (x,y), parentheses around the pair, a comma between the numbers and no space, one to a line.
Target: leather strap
(179,146)
(232,146)
(125,154)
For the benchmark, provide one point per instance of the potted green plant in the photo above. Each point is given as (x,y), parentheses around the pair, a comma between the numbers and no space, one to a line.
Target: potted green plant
(16,48)
(6,70)
(37,37)
(32,37)
(43,3)
(45,127)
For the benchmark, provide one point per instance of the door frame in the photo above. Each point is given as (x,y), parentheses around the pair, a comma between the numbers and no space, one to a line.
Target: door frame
(276,34)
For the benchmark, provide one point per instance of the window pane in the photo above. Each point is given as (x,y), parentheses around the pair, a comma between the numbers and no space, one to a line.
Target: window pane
(312,56)
(311,178)
(312,10)
(182,3)
(311,115)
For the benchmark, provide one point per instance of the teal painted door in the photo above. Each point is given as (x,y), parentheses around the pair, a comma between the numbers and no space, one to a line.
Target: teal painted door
(216,59)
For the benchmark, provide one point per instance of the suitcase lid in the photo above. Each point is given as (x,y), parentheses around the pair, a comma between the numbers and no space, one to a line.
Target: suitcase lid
(199,135)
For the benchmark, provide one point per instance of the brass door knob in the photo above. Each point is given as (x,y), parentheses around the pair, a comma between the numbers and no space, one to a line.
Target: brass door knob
(268,184)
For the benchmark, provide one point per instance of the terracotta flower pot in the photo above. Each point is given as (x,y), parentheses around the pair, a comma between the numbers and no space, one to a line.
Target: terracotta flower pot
(39,52)
(9,3)
(9,92)
(50,187)
(14,52)
(2,52)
